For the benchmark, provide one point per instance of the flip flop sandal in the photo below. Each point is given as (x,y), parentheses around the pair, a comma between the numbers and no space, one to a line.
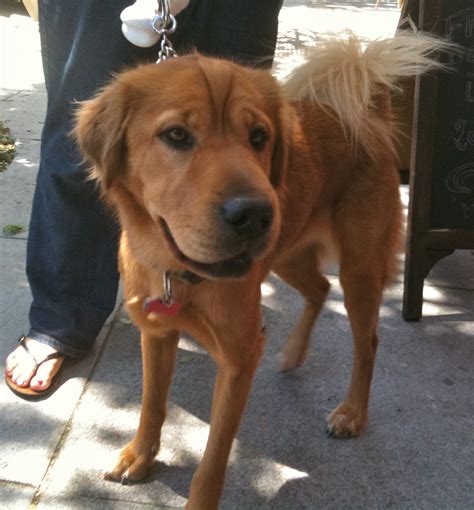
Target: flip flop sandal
(28,393)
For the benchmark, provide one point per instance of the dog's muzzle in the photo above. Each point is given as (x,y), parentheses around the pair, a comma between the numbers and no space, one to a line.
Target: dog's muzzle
(245,226)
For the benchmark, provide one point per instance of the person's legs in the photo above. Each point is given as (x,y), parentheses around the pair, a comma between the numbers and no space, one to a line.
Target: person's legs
(71,254)
(244,31)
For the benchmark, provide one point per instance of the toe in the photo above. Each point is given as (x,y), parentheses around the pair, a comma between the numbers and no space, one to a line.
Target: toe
(22,374)
(11,363)
(17,360)
(45,374)
(19,366)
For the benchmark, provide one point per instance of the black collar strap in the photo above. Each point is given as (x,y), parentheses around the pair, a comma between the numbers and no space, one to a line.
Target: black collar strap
(186,276)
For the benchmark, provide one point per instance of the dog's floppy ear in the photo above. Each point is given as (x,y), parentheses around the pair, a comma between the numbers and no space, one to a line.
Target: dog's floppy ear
(282,145)
(100,127)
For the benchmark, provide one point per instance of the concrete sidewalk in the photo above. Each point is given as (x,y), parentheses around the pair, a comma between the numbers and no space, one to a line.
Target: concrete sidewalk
(417,451)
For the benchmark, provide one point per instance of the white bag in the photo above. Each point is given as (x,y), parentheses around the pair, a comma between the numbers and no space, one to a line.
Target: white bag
(136,21)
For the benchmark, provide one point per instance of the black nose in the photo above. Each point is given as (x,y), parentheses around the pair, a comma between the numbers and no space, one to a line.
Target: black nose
(247,215)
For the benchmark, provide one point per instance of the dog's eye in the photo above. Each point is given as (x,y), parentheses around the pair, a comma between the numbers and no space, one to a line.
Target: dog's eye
(258,138)
(178,138)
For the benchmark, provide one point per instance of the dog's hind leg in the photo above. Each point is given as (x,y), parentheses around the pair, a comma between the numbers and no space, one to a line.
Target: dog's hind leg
(362,284)
(158,354)
(367,229)
(301,272)
(362,278)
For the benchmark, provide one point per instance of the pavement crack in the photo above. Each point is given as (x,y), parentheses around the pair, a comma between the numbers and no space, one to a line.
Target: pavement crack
(68,426)
(10,483)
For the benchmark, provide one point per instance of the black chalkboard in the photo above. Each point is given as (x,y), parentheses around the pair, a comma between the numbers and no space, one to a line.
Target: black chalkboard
(441,208)
(452,192)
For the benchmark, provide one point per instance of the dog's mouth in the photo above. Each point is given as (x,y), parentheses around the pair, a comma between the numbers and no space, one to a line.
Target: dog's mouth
(228,268)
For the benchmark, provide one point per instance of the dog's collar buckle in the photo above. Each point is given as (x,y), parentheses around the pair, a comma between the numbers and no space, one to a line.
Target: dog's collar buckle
(187,276)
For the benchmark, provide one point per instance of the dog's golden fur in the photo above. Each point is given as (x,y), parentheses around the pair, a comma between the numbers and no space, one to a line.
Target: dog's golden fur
(177,147)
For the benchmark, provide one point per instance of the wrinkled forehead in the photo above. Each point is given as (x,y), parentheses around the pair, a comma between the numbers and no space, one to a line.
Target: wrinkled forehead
(186,83)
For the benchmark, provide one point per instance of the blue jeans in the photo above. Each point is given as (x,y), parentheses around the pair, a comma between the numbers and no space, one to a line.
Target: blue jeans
(73,239)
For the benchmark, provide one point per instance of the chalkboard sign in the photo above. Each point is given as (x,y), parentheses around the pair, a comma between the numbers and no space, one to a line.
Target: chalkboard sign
(441,208)
(452,194)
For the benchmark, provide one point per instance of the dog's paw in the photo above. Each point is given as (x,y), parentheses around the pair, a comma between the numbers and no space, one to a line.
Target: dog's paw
(294,353)
(346,421)
(289,360)
(133,465)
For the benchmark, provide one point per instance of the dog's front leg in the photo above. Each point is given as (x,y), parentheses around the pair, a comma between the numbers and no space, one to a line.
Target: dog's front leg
(158,356)
(231,390)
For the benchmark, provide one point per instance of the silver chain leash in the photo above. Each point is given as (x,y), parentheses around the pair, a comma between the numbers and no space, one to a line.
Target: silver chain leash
(164,24)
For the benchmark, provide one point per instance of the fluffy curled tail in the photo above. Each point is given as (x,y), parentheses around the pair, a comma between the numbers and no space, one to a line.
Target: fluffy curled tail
(353,79)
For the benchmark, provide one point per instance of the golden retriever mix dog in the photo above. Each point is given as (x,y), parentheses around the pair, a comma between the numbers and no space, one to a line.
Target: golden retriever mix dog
(219,175)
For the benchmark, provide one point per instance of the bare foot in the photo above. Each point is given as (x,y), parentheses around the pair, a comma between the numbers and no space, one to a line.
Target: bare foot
(21,369)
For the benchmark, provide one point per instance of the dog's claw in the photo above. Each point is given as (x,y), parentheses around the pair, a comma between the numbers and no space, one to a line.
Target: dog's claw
(109,476)
(123,479)
(331,432)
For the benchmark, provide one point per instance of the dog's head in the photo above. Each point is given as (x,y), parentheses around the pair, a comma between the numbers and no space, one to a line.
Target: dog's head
(201,145)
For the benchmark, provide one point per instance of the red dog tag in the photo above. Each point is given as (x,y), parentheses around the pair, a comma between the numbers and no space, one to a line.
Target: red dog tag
(159,306)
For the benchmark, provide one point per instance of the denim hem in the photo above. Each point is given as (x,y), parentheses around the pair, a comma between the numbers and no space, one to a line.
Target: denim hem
(61,347)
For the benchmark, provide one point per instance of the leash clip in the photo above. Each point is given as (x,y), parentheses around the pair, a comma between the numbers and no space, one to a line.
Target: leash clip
(146,23)
(164,24)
